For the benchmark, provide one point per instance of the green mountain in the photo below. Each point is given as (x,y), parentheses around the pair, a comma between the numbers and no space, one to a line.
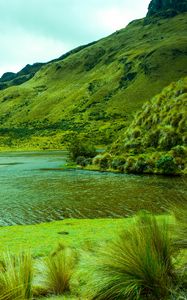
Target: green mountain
(9,78)
(166,8)
(94,90)
(156,140)
(12,79)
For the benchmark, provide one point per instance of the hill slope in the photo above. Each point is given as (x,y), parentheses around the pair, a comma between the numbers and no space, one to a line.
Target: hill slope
(165,8)
(12,79)
(97,90)
(156,140)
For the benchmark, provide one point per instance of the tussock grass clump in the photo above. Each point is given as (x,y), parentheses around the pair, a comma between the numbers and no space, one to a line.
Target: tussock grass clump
(59,268)
(16,277)
(138,265)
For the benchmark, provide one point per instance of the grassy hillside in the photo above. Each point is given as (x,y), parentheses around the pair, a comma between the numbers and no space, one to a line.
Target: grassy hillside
(156,140)
(97,90)
(9,79)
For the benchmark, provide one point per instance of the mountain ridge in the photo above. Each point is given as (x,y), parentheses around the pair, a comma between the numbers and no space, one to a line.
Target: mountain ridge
(26,73)
(166,8)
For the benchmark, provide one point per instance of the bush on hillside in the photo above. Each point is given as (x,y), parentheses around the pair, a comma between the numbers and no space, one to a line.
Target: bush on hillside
(169,138)
(104,161)
(166,165)
(178,151)
(160,128)
(140,165)
(129,165)
(118,163)
(83,161)
(152,138)
(79,148)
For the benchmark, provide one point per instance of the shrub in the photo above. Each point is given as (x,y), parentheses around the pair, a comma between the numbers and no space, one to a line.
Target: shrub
(169,138)
(178,151)
(136,132)
(134,146)
(129,165)
(79,148)
(166,165)
(140,165)
(16,278)
(83,161)
(118,163)
(182,125)
(136,266)
(59,268)
(150,165)
(152,138)
(96,159)
(105,161)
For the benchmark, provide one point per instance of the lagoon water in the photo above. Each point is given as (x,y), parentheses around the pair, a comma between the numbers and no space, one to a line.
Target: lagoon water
(33,191)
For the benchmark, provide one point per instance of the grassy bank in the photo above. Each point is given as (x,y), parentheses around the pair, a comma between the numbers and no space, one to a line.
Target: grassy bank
(42,238)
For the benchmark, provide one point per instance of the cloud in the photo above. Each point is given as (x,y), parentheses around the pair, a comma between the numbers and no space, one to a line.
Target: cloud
(112,18)
(40,30)
(24,48)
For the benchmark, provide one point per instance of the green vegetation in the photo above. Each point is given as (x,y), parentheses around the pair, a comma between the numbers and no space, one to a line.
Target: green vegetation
(181,230)
(59,268)
(80,151)
(8,79)
(92,95)
(156,140)
(136,266)
(16,275)
(96,90)
(40,239)
(135,258)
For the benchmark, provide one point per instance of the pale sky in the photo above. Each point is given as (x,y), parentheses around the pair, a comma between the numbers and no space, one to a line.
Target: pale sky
(40,30)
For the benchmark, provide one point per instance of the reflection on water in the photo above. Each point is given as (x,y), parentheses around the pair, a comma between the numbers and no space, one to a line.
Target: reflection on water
(33,190)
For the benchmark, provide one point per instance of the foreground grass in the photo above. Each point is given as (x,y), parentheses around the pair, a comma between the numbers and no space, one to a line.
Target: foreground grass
(16,277)
(40,239)
(137,265)
(77,265)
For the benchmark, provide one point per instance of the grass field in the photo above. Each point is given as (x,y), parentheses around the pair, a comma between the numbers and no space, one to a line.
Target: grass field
(84,237)
(41,239)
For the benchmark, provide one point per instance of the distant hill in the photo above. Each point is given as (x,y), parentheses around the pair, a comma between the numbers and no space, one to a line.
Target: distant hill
(9,79)
(156,140)
(94,90)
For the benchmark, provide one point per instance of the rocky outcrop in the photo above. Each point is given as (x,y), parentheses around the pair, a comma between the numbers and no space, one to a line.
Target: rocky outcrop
(166,8)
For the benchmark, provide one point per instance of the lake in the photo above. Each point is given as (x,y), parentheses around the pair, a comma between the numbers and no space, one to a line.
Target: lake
(32,191)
